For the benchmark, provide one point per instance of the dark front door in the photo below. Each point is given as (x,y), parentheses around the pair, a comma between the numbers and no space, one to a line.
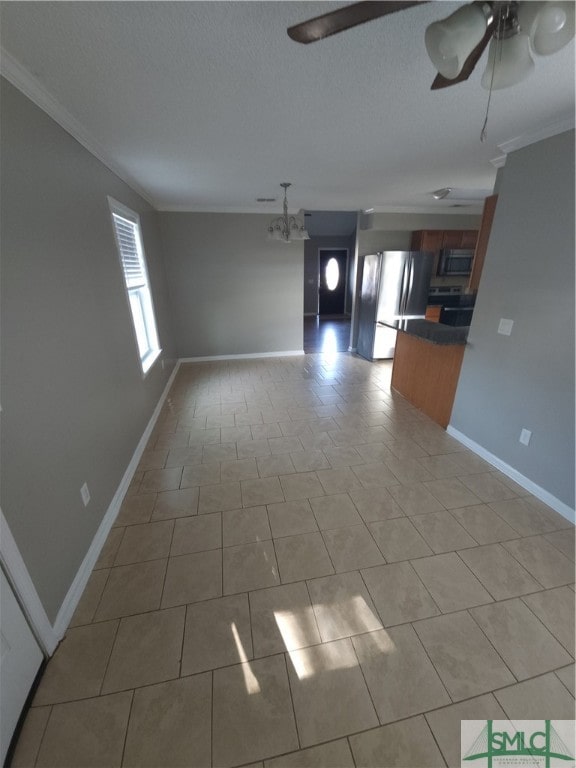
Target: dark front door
(332,284)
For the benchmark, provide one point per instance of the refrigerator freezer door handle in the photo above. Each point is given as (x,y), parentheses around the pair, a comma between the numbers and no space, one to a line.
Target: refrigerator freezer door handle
(405,281)
(411,279)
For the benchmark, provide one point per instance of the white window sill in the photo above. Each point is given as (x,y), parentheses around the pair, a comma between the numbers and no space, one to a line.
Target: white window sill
(149,361)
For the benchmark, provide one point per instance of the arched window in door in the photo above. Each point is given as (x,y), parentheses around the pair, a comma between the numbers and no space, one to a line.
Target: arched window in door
(332,274)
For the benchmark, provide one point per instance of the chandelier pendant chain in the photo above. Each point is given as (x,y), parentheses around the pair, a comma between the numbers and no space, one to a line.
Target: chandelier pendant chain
(287,228)
(499,34)
(285,208)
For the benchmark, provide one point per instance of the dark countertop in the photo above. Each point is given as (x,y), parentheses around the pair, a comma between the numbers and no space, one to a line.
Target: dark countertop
(435,333)
(452,300)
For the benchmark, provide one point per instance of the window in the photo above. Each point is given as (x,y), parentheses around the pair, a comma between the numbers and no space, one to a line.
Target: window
(129,243)
(332,274)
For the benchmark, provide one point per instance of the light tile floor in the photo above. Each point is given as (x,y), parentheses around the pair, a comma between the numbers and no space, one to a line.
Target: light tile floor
(306,571)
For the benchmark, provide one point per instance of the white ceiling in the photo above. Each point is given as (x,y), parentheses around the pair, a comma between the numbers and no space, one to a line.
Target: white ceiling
(206,106)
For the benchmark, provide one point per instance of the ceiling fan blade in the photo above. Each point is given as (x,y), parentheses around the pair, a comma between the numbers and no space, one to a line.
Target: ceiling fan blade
(344,18)
(443,82)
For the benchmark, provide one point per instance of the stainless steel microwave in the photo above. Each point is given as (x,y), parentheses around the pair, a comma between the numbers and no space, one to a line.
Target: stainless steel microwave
(455,262)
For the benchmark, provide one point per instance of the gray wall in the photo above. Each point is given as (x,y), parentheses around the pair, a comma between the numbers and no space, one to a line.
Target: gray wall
(74,404)
(527,379)
(311,275)
(232,290)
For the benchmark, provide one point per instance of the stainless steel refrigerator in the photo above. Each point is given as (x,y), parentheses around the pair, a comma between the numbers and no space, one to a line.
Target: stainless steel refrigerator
(395,286)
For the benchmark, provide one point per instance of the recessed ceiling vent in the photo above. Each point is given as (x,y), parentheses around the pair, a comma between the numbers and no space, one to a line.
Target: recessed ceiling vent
(266,199)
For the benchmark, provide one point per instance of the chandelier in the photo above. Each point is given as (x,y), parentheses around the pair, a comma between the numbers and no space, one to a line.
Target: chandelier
(287,228)
(517,29)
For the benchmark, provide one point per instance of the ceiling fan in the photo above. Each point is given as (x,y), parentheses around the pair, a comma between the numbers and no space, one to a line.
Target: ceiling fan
(456,43)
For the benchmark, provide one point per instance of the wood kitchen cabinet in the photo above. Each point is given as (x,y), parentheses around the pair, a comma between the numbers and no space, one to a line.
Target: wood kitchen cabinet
(452,238)
(482,245)
(427,240)
(426,374)
(435,240)
(469,239)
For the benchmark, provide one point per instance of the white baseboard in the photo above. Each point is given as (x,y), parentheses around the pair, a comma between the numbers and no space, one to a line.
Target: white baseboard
(540,493)
(80,580)
(250,356)
(25,591)
(351,349)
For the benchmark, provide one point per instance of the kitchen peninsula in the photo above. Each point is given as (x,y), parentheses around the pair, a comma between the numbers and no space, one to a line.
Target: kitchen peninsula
(427,365)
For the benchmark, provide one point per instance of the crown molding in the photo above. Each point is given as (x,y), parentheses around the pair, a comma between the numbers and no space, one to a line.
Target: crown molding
(469,207)
(472,208)
(256,210)
(539,134)
(27,84)
(499,162)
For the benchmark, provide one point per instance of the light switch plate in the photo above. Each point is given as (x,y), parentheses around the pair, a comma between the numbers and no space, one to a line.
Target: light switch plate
(505,326)
(525,436)
(85,493)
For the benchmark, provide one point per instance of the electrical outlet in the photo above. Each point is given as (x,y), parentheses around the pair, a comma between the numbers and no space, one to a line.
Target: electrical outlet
(85,493)
(525,436)
(505,326)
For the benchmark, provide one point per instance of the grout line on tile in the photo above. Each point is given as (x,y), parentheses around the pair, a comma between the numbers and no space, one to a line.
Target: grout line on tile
(350,640)
(555,672)
(423,715)
(163,586)
(432,663)
(478,544)
(468,611)
(351,751)
(521,597)
(537,580)
(92,620)
(109,654)
(285,655)
(42,737)
(182,642)
(475,577)
(212,718)
(127,727)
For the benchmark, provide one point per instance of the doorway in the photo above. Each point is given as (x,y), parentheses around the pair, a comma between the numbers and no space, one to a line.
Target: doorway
(21,658)
(332,281)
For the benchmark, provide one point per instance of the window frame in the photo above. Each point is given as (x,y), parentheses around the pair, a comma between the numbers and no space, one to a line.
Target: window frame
(142,293)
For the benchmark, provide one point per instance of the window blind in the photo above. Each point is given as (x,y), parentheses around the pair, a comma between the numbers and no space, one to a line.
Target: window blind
(126,226)
(130,255)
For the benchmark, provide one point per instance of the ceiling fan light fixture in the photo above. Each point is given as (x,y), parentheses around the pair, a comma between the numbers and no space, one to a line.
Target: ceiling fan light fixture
(509,62)
(549,25)
(449,42)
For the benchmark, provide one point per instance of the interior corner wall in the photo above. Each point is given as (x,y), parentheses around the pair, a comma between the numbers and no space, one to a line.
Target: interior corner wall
(526,380)
(310,277)
(74,403)
(233,292)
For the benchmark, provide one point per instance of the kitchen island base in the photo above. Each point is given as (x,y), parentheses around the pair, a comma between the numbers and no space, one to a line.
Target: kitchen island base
(426,374)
